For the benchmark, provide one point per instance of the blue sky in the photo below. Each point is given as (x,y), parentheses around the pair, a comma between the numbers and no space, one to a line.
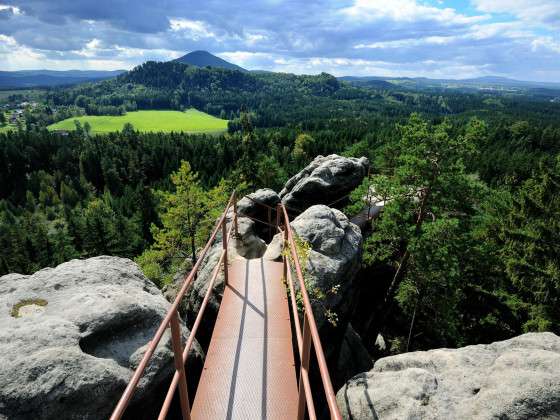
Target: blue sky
(431,38)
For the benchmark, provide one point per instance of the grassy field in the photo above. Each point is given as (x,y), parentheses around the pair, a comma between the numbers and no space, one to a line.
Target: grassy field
(191,121)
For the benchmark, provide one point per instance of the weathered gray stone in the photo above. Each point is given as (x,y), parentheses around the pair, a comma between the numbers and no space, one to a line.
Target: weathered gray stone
(512,379)
(324,180)
(248,207)
(72,347)
(334,258)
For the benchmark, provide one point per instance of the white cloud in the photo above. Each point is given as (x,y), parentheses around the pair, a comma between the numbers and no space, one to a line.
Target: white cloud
(406,11)
(408,42)
(6,40)
(504,29)
(478,32)
(15,10)
(146,54)
(14,56)
(194,29)
(93,56)
(246,58)
(531,11)
(252,38)
(546,43)
(91,49)
(341,66)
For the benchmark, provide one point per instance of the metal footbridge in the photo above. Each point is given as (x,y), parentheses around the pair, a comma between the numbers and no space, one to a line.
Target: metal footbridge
(252,368)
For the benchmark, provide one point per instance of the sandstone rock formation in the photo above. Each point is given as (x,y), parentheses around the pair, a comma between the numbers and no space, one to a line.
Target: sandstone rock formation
(71,337)
(334,258)
(324,180)
(513,379)
(248,207)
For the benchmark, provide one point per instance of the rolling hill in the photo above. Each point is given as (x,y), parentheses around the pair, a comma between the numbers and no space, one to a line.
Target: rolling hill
(46,78)
(486,82)
(205,59)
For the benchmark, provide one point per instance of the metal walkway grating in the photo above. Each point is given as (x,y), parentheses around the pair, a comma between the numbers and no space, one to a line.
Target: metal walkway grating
(249,370)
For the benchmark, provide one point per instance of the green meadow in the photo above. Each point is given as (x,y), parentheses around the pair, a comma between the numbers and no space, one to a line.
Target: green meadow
(190,121)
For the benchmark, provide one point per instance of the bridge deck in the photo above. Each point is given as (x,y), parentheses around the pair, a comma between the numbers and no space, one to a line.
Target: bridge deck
(249,370)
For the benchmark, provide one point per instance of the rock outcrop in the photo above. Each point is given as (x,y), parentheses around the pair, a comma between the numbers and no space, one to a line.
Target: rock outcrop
(251,208)
(333,261)
(334,258)
(513,379)
(72,336)
(324,180)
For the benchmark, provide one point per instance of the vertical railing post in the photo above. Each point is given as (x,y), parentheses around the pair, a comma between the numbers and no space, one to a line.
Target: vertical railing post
(179,366)
(368,196)
(270,222)
(235,229)
(284,238)
(304,358)
(278,210)
(225,246)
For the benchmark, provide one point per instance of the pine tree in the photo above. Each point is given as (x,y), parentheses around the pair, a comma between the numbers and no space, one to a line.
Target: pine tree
(529,233)
(247,165)
(303,148)
(99,233)
(430,196)
(188,215)
(63,249)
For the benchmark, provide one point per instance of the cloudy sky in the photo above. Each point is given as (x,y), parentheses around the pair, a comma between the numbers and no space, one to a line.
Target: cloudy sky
(433,38)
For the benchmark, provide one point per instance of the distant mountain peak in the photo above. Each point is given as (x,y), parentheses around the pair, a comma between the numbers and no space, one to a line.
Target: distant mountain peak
(201,58)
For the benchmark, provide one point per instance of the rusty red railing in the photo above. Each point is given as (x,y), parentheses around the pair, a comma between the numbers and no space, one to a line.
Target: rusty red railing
(172,320)
(310,334)
(305,339)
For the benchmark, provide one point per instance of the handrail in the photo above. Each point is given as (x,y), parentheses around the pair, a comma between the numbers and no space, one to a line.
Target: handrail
(310,334)
(170,320)
(194,329)
(305,338)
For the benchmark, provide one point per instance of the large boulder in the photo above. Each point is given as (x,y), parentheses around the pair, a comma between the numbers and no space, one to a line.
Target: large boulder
(325,180)
(72,336)
(261,207)
(334,258)
(330,273)
(255,204)
(513,379)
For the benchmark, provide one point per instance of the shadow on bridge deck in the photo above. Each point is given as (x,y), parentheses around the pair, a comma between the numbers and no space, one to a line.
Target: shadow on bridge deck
(249,371)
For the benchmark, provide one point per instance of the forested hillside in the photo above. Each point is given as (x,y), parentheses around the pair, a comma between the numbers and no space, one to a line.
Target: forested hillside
(278,99)
(75,194)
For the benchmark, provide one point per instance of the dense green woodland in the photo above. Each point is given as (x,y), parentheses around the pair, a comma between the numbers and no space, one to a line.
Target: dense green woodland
(474,259)
(275,99)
